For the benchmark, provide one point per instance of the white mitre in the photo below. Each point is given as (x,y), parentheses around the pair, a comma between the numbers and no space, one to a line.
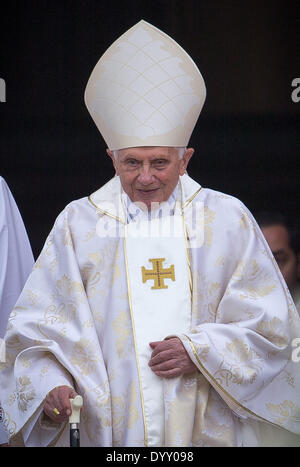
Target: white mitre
(145,91)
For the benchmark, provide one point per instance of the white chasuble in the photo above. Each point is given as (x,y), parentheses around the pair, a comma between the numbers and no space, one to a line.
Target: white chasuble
(88,312)
(160,302)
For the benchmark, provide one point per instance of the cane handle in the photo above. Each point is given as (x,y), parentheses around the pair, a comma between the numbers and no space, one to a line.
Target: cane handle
(76,405)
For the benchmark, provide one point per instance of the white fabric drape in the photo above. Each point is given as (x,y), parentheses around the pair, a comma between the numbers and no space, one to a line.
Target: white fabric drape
(16,260)
(72,325)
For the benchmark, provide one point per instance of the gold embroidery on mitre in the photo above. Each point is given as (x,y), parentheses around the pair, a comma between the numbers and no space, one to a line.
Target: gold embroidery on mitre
(158,273)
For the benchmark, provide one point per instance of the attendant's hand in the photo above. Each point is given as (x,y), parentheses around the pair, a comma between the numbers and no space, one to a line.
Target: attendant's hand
(170,359)
(59,399)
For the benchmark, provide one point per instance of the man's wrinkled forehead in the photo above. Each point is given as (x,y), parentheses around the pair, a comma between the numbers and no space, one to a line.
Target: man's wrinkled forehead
(149,151)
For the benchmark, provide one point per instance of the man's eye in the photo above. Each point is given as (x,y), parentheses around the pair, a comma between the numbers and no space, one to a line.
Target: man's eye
(132,163)
(160,163)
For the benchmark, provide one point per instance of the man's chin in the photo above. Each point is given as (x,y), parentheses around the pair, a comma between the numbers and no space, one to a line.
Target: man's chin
(146,205)
(149,199)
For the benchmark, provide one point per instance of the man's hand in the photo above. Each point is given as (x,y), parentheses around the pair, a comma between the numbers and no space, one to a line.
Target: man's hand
(58,399)
(170,359)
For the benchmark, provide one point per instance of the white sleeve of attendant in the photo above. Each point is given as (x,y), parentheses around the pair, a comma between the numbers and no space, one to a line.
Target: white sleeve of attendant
(16,258)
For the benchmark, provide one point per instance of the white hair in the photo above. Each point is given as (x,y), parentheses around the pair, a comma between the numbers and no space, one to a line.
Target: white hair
(180,150)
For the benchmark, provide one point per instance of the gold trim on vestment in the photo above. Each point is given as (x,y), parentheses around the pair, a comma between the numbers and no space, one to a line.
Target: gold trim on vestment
(58,437)
(99,210)
(229,396)
(134,338)
(191,198)
(188,257)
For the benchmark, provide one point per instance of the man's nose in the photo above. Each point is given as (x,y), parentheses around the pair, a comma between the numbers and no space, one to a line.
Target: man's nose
(145,176)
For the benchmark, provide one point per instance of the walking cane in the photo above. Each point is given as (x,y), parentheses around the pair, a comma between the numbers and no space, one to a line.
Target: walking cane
(74,421)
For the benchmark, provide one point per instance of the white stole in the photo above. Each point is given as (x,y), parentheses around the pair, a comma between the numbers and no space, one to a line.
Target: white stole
(160,303)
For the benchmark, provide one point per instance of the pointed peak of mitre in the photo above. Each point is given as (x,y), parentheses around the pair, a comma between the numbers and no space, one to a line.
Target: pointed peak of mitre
(145,90)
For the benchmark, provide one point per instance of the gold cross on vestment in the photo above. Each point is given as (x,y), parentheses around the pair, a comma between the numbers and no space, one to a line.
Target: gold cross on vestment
(158,273)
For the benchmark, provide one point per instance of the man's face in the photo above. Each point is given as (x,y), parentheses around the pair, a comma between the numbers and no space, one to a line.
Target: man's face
(150,174)
(277,237)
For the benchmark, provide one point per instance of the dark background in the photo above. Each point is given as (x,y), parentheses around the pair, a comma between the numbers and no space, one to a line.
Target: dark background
(247,138)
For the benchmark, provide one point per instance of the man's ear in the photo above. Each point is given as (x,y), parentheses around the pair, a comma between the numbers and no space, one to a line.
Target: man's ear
(111,155)
(185,160)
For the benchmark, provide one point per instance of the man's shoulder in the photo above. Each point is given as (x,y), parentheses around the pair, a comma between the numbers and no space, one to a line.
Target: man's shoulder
(220,199)
(226,210)
(80,209)
(86,209)
(76,204)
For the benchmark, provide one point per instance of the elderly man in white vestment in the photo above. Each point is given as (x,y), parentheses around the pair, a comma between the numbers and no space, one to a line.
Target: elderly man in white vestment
(157,300)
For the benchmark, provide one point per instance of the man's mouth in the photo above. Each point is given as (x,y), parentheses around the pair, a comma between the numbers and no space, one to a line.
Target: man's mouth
(152,190)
